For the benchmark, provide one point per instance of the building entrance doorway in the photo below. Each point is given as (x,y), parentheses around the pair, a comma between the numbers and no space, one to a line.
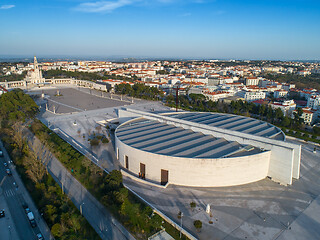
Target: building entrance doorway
(127,162)
(142,170)
(164,176)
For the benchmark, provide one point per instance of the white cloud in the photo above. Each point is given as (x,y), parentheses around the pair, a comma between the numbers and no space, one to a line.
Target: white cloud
(7,7)
(102,6)
(109,6)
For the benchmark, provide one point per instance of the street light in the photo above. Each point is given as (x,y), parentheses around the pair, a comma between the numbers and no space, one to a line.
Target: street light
(181,223)
(81,208)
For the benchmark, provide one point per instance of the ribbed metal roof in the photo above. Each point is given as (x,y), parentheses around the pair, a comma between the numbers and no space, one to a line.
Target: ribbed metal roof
(232,122)
(161,138)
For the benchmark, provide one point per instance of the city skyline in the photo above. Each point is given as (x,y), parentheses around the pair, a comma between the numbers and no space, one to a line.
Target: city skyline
(193,29)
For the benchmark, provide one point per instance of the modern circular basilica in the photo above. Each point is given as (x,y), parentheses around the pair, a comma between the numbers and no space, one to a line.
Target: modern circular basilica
(204,149)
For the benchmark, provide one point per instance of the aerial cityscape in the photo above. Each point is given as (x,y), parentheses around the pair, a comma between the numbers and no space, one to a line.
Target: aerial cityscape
(160,120)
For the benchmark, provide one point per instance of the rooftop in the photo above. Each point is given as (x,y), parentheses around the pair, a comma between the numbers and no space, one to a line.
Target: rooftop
(166,139)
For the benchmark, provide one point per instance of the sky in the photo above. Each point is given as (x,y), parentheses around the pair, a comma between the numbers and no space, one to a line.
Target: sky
(208,29)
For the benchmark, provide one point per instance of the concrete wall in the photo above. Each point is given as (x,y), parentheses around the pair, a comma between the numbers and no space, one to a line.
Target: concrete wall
(285,157)
(196,172)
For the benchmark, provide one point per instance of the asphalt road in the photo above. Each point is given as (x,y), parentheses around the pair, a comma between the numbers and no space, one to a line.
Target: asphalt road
(99,218)
(14,199)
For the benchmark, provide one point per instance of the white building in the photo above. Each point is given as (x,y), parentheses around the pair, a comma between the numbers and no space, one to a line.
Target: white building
(313,102)
(250,81)
(34,76)
(280,93)
(288,86)
(215,96)
(287,107)
(252,96)
(203,149)
(308,115)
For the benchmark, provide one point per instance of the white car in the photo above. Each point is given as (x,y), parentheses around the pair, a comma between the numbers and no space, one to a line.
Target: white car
(39,236)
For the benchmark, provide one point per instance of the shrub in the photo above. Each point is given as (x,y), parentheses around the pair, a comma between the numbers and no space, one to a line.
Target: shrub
(99,137)
(193,204)
(197,224)
(105,140)
(94,142)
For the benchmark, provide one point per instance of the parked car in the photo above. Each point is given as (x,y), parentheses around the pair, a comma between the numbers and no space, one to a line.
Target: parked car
(27,210)
(39,236)
(1,153)
(5,164)
(2,214)
(8,171)
(31,219)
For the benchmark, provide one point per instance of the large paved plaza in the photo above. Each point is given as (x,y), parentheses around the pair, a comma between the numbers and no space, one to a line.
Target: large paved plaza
(72,100)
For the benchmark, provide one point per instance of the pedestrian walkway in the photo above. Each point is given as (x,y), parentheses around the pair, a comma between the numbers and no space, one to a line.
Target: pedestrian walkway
(9,193)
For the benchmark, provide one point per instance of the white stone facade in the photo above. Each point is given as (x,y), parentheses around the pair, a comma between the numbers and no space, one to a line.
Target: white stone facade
(278,160)
(219,172)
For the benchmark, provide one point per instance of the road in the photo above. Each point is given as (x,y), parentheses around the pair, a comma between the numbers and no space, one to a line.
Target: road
(99,218)
(15,196)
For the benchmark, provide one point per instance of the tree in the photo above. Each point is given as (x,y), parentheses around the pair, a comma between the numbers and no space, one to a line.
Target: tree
(316,130)
(75,222)
(56,230)
(33,161)
(285,122)
(278,114)
(193,205)
(197,224)
(94,142)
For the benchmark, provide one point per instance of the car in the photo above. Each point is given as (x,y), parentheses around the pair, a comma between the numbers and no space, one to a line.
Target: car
(8,171)
(2,214)
(33,223)
(39,236)
(27,210)
(1,154)
(5,164)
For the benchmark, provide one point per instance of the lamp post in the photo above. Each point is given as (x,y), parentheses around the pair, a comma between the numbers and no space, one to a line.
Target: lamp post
(181,223)
(81,208)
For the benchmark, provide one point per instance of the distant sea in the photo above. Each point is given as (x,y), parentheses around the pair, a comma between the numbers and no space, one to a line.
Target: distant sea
(10,58)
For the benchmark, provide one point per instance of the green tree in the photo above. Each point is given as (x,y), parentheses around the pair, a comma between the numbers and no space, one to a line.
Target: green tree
(56,230)
(197,224)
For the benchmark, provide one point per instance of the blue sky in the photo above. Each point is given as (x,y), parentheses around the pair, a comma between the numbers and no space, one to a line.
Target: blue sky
(242,29)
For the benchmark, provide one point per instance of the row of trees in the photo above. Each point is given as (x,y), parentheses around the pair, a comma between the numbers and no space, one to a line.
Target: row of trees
(16,106)
(107,188)
(84,75)
(308,81)
(30,158)
(139,90)
(13,77)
